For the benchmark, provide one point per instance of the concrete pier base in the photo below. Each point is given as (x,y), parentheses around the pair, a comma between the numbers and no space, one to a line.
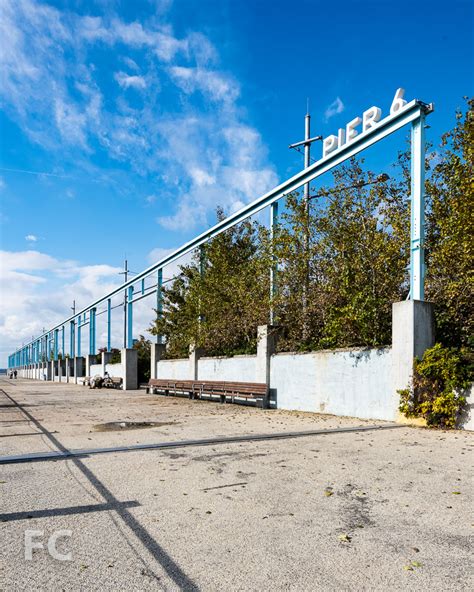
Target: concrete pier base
(130,369)
(413,332)
(194,354)
(79,365)
(106,357)
(266,346)
(90,361)
(157,353)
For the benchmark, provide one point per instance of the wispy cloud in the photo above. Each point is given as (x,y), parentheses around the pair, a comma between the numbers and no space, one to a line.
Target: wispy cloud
(32,238)
(336,107)
(199,146)
(127,81)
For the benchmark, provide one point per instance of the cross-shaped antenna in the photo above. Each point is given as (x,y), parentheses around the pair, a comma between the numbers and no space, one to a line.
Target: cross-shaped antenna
(307,147)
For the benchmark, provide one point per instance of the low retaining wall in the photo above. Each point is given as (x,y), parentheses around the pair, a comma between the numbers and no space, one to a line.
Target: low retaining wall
(95,369)
(174,369)
(340,382)
(114,370)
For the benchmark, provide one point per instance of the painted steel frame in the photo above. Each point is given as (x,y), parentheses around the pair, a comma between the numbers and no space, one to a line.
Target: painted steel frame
(413,112)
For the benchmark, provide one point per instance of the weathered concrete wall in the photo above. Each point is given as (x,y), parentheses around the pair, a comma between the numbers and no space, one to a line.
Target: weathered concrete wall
(241,368)
(114,370)
(174,369)
(467,421)
(95,369)
(340,382)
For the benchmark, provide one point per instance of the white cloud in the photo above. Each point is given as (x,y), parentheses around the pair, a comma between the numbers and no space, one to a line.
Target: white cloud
(2,183)
(336,107)
(127,81)
(31,237)
(201,148)
(40,292)
(132,64)
(214,85)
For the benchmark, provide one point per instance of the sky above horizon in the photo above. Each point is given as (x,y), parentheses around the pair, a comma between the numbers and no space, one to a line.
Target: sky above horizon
(124,124)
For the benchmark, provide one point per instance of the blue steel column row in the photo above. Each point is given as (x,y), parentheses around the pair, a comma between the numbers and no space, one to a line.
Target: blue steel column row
(48,347)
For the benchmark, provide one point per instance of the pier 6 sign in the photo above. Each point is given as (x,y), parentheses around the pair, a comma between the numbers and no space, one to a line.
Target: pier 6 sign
(370,119)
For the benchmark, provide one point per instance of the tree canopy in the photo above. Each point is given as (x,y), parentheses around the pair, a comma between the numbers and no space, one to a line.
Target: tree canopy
(342,262)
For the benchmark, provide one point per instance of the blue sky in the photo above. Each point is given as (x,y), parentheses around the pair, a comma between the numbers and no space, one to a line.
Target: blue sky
(123,124)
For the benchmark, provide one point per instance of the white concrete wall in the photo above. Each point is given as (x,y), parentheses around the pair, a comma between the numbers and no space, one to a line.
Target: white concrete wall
(114,370)
(237,368)
(174,369)
(95,369)
(354,383)
(467,422)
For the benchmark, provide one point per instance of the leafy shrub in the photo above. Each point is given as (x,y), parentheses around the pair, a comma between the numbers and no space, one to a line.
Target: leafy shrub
(439,381)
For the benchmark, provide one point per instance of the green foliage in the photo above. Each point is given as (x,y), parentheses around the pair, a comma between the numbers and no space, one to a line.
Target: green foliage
(439,381)
(450,232)
(143,346)
(115,358)
(221,297)
(343,263)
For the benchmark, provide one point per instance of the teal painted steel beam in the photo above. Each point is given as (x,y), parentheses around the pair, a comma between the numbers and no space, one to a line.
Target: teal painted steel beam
(159,300)
(92,348)
(130,317)
(79,337)
(55,344)
(109,327)
(72,339)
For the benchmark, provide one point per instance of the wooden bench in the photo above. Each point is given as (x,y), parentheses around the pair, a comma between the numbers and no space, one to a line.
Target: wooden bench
(113,382)
(224,390)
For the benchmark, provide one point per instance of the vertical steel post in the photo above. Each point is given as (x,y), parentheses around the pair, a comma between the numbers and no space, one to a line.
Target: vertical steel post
(56,344)
(92,331)
(130,318)
(63,352)
(72,339)
(417,230)
(274,267)
(125,275)
(79,336)
(307,154)
(109,320)
(159,301)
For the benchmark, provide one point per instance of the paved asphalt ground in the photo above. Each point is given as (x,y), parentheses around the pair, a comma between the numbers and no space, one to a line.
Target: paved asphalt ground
(362,510)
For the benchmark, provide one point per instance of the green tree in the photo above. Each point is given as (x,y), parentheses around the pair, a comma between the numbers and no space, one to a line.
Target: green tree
(143,347)
(450,232)
(221,297)
(355,262)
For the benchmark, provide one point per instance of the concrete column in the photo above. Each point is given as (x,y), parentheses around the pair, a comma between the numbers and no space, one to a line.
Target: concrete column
(60,370)
(266,346)
(79,364)
(105,359)
(194,354)
(157,352)
(130,369)
(52,370)
(69,369)
(413,332)
(90,361)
